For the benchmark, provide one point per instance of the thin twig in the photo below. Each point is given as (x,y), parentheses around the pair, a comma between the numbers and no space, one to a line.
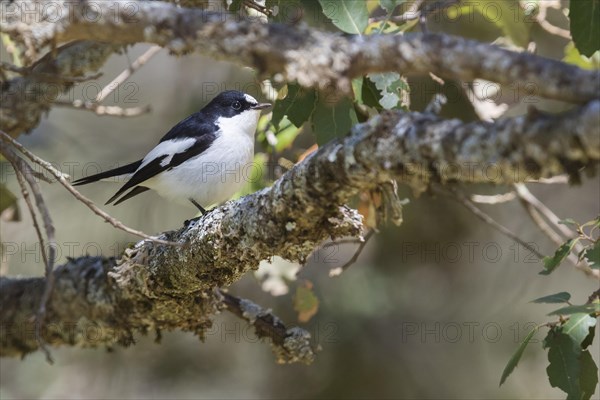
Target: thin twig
(338,271)
(465,201)
(493,199)
(25,172)
(98,109)
(123,76)
(536,209)
(62,178)
(48,77)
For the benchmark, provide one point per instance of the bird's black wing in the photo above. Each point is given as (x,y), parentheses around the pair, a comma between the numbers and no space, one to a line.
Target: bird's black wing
(125,169)
(203,134)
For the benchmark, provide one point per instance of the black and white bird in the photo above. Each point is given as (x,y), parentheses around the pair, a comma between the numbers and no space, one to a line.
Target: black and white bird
(202,159)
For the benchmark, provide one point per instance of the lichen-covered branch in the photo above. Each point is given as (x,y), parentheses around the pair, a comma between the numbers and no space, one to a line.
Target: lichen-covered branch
(298,52)
(154,287)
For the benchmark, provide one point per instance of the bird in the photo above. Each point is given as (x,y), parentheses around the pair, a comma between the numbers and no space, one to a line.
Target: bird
(202,159)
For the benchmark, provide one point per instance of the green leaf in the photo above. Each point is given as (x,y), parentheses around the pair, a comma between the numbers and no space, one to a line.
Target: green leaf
(390,86)
(286,135)
(585,308)
(351,16)
(592,254)
(514,360)
(332,118)
(588,379)
(564,369)
(573,56)
(561,297)
(550,263)
(390,5)
(297,105)
(568,221)
(578,327)
(507,15)
(585,25)
(8,200)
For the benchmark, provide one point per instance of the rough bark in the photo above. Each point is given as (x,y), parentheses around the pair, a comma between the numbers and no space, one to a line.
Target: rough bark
(297,52)
(155,287)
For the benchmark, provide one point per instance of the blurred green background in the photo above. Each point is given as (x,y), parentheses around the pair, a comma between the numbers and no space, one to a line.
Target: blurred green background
(431,309)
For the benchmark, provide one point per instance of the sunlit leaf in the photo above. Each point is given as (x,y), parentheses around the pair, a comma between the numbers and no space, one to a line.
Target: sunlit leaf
(551,262)
(585,25)
(573,56)
(509,16)
(561,297)
(514,360)
(578,327)
(350,16)
(389,86)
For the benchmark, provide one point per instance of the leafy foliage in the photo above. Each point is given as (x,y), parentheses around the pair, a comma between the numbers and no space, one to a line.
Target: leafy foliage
(585,25)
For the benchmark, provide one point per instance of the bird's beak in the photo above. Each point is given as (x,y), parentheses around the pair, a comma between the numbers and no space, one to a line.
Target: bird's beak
(261,106)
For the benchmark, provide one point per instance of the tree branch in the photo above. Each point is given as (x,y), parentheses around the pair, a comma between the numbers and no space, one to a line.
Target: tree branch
(156,286)
(299,53)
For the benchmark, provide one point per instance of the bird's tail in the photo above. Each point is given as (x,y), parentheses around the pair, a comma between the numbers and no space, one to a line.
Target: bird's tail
(125,169)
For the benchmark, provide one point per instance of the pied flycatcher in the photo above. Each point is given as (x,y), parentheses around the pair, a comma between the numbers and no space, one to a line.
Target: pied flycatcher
(201,159)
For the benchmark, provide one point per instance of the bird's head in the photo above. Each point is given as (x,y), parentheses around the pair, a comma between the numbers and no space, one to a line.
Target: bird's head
(236,109)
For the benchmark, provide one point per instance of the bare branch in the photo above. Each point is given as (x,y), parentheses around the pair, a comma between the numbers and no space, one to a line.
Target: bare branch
(465,201)
(296,52)
(493,199)
(62,179)
(113,111)
(25,175)
(289,345)
(338,270)
(123,76)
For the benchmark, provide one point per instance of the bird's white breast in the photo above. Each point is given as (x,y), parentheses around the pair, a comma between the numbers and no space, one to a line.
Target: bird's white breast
(219,172)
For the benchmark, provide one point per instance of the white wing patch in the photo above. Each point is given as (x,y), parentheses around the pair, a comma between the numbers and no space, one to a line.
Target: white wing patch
(168,148)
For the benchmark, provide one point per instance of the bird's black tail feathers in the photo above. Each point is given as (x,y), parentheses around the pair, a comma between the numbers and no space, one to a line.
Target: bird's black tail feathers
(125,169)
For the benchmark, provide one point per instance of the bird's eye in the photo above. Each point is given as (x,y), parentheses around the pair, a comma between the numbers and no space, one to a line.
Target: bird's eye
(236,105)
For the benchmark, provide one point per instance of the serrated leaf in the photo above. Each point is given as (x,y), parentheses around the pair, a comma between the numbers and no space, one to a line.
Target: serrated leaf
(350,16)
(588,379)
(561,297)
(306,303)
(332,117)
(507,15)
(585,25)
(592,255)
(516,357)
(551,262)
(564,369)
(578,327)
(585,308)
(297,105)
(390,5)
